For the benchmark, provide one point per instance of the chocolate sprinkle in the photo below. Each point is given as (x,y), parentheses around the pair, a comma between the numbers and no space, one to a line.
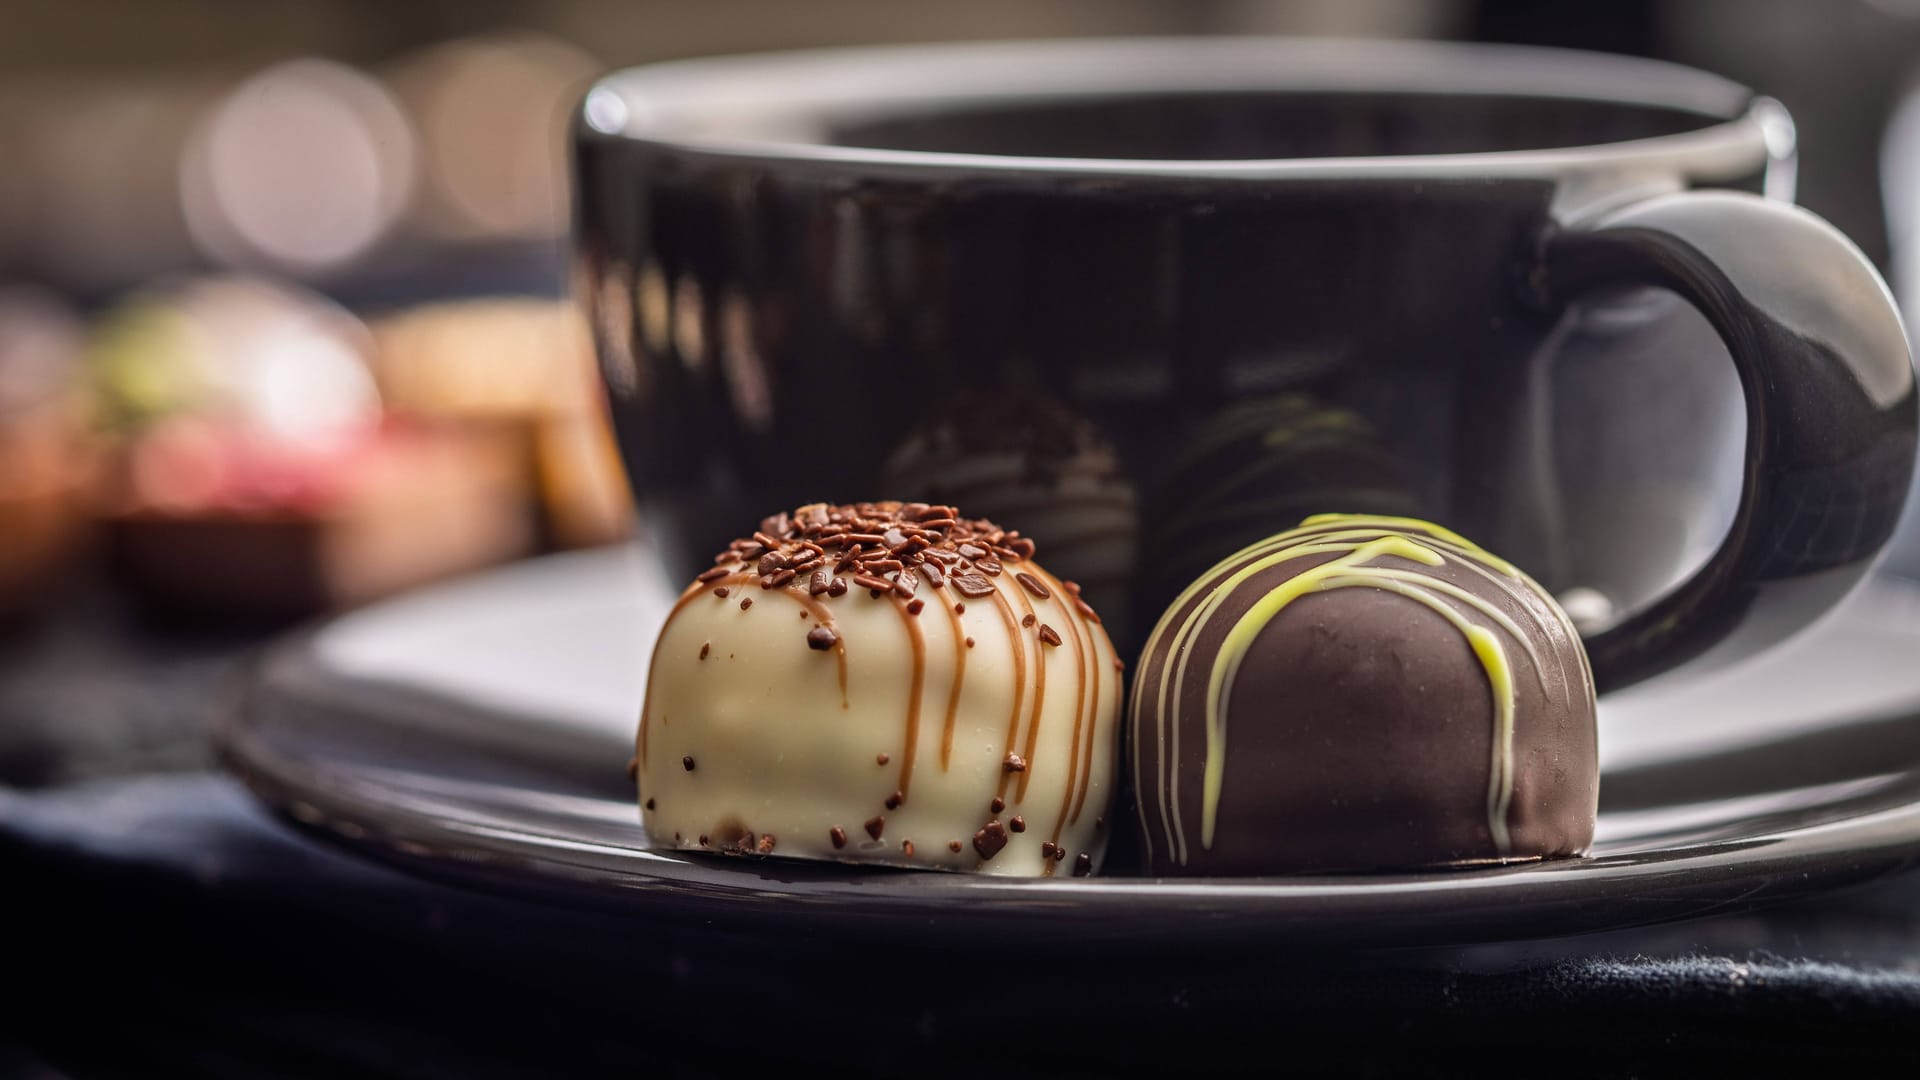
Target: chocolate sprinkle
(746,602)
(705,648)
(998,804)
(969,643)
(1033,584)
(1028,620)
(1048,848)
(822,638)
(1014,763)
(972,584)
(1049,635)
(954,846)
(906,848)
(990,839)
(1017,824)
(894,800)
(887,548)
(649,805)
(882,758)
(1082,864)
(876,825)
(838,835)
(688,762)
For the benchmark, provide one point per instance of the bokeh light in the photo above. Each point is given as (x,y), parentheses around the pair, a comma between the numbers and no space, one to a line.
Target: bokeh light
(303,167)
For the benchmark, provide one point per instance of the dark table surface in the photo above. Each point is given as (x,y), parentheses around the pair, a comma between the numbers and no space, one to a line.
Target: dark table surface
(163,923)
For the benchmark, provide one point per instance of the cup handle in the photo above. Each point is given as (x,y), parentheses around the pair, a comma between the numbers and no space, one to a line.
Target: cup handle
(1829,388)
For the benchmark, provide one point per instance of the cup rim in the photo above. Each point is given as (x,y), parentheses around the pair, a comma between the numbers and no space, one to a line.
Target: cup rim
(775,107)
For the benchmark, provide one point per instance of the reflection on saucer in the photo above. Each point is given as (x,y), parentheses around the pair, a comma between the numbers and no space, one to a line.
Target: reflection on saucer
(1257,468)
(1029,463)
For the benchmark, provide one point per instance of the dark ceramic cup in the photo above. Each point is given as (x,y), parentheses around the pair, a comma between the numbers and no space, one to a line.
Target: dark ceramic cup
(1151,300)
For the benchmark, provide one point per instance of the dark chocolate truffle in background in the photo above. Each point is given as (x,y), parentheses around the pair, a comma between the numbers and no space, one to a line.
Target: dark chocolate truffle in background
(1031,463)
(1362,693)
(1254,469)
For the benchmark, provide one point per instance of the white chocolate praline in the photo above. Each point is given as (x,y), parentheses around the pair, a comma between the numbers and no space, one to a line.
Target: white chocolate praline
(753,738)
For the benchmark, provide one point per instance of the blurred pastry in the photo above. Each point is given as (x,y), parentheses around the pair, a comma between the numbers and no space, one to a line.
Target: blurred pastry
(259,473)
(45,454)
(225,524)
(523,361)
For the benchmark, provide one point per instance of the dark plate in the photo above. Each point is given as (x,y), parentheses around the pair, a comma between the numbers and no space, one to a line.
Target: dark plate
(479,732)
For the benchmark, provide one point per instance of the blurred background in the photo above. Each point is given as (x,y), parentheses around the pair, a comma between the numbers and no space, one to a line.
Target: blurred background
(283,288)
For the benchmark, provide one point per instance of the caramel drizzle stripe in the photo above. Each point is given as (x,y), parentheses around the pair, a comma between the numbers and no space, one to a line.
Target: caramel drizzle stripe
(1079,700)
(1019,680)
(919,641)
(1039,686)
(824,617)
(1084,773)
(959,678)
(1082,650)
(1093,729)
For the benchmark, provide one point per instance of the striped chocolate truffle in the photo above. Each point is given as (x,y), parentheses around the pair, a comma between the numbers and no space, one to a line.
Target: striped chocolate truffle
(1362,693)
(909,687)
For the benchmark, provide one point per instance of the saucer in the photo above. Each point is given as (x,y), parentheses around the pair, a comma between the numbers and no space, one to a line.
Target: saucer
(478,731)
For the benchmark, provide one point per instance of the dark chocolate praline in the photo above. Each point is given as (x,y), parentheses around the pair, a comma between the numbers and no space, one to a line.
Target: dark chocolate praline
(1362,693)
